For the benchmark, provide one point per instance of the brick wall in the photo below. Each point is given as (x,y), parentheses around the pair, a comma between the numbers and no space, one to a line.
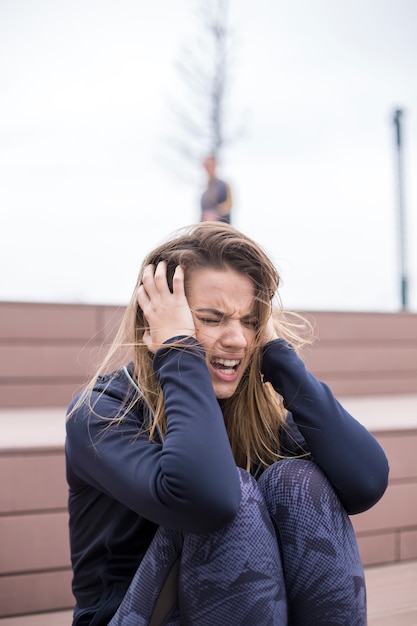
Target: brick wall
(387,533)
(48,350)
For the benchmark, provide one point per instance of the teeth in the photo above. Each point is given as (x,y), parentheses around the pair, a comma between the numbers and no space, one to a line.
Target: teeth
(227,362)
(227,365)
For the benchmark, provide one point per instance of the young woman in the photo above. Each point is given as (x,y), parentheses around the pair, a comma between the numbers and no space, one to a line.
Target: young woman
(211,476)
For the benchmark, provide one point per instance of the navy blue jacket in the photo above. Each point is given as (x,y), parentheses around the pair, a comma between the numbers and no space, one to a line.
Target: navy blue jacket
(122,486)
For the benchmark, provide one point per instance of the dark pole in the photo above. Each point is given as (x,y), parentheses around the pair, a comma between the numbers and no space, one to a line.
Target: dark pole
(401,211)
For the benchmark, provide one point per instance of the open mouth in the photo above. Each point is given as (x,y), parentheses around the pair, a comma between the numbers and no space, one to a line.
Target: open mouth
(226,366)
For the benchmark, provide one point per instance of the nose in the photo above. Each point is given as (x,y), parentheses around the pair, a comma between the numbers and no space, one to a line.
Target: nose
(234,335)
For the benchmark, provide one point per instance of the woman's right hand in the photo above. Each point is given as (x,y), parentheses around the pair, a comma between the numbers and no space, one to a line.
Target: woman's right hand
(168,314)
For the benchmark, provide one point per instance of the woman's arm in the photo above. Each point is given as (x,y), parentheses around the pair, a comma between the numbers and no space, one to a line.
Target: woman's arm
(190,481)
(350,456)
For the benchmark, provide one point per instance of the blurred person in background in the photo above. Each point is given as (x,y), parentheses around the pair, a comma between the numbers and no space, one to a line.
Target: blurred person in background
(216,201)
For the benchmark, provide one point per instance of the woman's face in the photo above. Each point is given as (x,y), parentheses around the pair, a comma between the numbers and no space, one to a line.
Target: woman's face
(223,307)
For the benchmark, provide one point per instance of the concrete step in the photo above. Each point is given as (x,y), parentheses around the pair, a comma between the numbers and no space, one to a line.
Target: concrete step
(392,600)
(392,594)
(56,618)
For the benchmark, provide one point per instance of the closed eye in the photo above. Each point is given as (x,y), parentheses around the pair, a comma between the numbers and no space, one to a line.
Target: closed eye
(217,318)
(210,321)
(251,323)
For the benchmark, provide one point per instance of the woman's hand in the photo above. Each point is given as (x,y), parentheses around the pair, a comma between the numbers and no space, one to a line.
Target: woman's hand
(270,331)
(167,314)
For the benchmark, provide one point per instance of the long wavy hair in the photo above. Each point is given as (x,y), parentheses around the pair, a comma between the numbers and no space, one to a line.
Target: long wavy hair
(255,413)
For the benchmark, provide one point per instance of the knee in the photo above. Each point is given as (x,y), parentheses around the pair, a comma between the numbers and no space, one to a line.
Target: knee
(293,479)
(290,471)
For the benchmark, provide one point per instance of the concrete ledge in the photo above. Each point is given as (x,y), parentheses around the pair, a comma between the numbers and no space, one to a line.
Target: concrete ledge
(32,428)
(45,427)
(383,413)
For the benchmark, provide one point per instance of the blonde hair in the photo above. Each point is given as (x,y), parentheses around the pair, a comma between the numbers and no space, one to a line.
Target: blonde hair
(255,413)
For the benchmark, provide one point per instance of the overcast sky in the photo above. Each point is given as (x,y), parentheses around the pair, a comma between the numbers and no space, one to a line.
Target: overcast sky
(88,185)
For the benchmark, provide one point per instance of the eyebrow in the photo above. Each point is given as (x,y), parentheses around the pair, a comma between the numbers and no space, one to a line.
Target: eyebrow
(218,313)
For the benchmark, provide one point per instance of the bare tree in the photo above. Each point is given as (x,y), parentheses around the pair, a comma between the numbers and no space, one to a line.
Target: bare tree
(204,68)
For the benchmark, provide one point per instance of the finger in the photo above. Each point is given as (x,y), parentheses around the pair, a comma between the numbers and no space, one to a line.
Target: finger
(160,277)
(178,281)
(148,280)
(142,297)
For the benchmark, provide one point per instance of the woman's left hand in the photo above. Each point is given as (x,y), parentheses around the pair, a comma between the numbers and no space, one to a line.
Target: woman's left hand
(270,332)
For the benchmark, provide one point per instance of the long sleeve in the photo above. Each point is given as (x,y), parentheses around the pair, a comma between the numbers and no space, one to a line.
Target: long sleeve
(188,482)
(349,455)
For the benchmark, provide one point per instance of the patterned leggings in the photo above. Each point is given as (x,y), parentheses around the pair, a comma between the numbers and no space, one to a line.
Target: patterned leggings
(289,557)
